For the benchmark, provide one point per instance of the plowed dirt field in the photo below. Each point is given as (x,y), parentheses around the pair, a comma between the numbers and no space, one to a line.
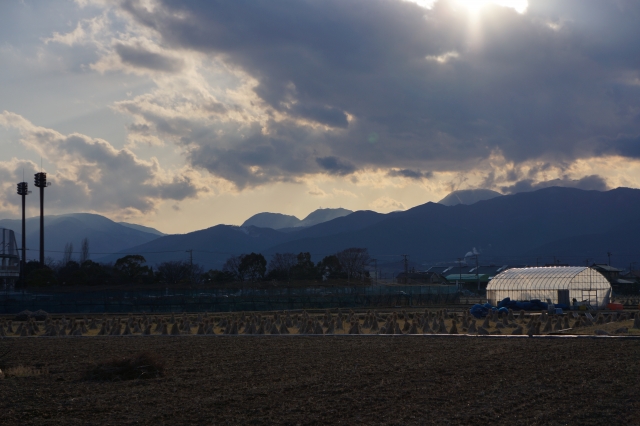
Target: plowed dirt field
(326,380)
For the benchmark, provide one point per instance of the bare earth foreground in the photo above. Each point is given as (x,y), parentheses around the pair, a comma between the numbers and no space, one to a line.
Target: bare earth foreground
(328,380)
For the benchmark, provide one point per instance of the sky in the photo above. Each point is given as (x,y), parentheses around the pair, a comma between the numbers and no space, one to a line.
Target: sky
(184,115)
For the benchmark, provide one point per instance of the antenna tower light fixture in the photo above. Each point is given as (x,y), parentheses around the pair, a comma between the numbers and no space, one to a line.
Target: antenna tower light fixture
(41,182)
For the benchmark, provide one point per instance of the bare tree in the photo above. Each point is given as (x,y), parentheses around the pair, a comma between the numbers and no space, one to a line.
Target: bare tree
(354,261)
(232,267)
(197,273)
(281,264)
(174,271)
(84,251)
(68,254)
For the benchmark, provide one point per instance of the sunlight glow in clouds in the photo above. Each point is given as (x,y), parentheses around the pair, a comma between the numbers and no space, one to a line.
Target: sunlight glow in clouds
(519,6)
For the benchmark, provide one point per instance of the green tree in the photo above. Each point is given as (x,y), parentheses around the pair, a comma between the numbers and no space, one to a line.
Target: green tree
(132,268)
(41,277)
(94,273)
(70,274)
(217,276)
(253,266)
(304,269)
(329,268)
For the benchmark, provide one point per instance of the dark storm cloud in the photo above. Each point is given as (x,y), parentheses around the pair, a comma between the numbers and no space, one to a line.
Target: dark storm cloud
(627,146)
(255,158)
(592,182)
(438,91)
(139,57)
(325,115)
(336,166)
(411,174)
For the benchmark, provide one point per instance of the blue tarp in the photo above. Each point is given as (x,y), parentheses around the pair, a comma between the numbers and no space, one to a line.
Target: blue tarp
(481,311)
(525,305)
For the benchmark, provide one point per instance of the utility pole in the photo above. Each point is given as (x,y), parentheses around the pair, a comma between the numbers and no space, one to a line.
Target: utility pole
(190,251)
(460,267)
(609,256)
(375,269)
(406,267)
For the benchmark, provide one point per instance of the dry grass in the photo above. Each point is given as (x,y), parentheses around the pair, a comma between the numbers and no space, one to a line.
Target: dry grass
(609,327)
(25,371)
(217,329)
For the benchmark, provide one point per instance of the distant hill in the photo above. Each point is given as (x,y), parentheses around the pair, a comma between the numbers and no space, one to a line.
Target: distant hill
(272,220)
(468,196)
(281,221)
(572,224)
(104,235)
(324,215)
(211,247)
(143,228)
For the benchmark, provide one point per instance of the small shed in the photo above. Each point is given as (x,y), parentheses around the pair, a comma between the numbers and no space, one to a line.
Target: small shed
(560,284)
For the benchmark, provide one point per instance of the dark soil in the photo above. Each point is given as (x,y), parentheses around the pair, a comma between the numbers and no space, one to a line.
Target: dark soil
(144,365)
(327,380)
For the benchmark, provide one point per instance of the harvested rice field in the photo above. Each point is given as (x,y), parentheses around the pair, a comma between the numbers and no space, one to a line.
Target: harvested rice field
(319,368)
(323,380)
(330,322)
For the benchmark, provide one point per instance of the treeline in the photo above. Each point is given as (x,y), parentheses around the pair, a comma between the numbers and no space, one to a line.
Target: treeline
(129,269)
(350,264)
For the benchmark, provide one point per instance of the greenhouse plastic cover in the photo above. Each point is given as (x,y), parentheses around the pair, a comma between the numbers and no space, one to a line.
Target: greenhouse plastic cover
(523,284)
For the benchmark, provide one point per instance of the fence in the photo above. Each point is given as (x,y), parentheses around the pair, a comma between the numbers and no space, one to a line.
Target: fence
(221,300)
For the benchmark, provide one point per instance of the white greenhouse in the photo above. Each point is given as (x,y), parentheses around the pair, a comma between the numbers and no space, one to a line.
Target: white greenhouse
(561,284)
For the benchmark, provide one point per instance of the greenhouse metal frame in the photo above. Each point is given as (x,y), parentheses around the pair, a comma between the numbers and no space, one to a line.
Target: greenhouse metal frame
(560,284)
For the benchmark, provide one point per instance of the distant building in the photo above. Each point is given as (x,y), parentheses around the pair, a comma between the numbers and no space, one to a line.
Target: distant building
(421,277)
(9,259)
(475,279)
(620,284)
(609,272)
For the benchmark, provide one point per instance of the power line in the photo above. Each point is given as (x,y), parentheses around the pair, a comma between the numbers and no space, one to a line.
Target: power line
(405,260)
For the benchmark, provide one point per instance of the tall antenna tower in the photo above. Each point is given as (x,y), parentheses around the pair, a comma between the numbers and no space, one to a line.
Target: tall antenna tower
(23,190)
(41,182)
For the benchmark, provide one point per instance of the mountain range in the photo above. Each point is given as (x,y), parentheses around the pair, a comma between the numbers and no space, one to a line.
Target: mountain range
(104,235)
(468,196)
(107,237)
(283,221)
(566,224)
(562,225)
